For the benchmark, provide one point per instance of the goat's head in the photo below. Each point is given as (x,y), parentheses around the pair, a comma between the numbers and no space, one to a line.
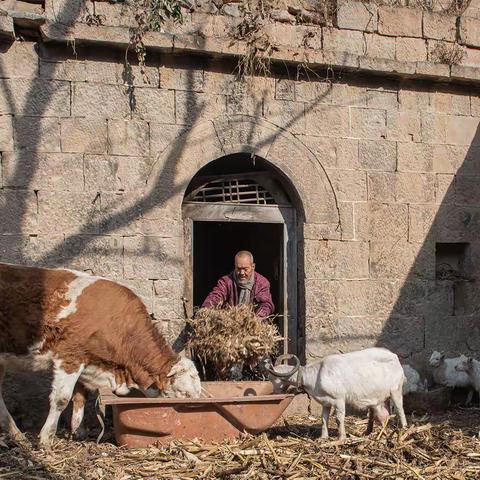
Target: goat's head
(436,359)
(282,376)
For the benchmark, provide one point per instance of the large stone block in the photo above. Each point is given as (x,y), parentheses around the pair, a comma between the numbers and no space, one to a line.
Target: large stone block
(349,185)
(421,219)
(469,31)
(368,123)
(415,188)
(167,299)
(114,173)
(113,15)
(379,46)
(321,298)
(37,134)
(411,49)
(120,212)
(244,103)
(192,108)
(451,101)
(103,69)
(386,99)
(48,171)
(414,297)
(284,89)
(285,114)
(439,26)
(18,211)
(336,259)
(434,127)
(333,152)
(6,133)
(35,97)
(84,135)
(445,188)
(415,157)
(411,98)
(381,186)
(155,105)
(327,120)
(349,95)
(375,221)
(65,11)
(19,60)
(403,126)
(153,258)
(32,250)
(377,155)
(162,135)
(457,223)
(462,130)
(70,70)
(364,297)
(128,137)
(395,21)
(96,100)
(353,15)
(69,213)
(188,79)
(343,41)
(466,190)
(95,254)
(402,260)
(314,91)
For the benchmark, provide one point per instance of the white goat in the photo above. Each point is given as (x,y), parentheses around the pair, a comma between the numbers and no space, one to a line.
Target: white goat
(413,383)
(446,373)
(471,367)
(363,380)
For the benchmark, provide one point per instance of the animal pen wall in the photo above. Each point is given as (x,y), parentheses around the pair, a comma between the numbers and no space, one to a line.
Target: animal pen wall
(367,120)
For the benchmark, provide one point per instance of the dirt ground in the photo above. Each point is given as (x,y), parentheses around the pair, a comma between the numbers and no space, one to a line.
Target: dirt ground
(433,447)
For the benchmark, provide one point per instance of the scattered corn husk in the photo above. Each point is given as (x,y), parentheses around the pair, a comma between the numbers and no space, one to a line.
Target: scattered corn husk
(228,336)
(438,447)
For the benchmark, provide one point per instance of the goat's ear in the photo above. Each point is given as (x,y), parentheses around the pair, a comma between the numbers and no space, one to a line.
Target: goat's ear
(442,355)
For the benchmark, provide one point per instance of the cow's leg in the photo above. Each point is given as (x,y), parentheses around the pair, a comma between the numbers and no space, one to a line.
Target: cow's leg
(7,423)
(62,388)
(397,400)
(340,413)
(325,416)
(79,400)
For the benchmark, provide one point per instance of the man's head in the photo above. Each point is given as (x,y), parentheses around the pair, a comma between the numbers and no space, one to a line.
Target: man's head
(244,266)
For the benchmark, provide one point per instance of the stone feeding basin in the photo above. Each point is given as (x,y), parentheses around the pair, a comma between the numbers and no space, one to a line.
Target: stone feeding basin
(435,400)
(228,410)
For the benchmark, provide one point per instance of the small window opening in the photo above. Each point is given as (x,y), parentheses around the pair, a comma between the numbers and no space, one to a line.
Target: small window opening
(450,267)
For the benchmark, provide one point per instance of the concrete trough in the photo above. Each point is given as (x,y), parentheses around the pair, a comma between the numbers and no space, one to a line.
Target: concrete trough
(230,409)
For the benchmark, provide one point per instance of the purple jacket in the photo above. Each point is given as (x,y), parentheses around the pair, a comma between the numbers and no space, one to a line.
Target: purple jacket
(226,292)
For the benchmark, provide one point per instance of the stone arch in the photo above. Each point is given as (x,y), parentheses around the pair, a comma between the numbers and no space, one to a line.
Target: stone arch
(209,140)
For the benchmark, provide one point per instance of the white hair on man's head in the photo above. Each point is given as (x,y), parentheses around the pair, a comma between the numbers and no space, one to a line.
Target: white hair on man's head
(244,253)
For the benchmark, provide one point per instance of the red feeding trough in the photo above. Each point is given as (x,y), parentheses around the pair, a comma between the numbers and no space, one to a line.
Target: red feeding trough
(230,409)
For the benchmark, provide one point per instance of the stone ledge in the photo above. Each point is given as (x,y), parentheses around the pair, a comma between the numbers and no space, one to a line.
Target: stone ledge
(221,47)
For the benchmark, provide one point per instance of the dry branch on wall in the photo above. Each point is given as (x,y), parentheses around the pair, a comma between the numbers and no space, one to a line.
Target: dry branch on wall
(441,447)
(227,336)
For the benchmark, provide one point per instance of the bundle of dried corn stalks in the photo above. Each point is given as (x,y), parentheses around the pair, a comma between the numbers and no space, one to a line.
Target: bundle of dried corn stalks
(224,337)
(434,448)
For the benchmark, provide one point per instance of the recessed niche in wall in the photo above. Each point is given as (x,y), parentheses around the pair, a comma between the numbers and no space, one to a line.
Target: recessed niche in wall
(450,267)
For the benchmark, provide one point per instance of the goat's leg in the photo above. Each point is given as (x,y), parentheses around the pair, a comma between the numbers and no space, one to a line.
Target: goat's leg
(468,401)
(79,400)
(325,416)
(369,429)
(62,388)
(7,423)
(397,400)
(340,414)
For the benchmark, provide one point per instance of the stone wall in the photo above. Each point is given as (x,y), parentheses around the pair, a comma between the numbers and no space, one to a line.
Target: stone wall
(95,161)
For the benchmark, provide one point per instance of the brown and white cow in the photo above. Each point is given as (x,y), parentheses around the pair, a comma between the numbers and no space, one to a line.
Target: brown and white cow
(92,331)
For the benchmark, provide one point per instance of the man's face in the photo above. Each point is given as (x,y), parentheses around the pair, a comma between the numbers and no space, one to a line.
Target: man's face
(244,268)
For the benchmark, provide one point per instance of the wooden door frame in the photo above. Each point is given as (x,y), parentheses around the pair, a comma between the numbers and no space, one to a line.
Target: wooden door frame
(219,212)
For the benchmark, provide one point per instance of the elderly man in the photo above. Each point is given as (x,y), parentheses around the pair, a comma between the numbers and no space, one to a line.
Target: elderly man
(242,286)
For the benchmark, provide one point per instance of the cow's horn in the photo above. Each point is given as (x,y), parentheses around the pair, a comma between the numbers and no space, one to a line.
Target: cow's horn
(287,374)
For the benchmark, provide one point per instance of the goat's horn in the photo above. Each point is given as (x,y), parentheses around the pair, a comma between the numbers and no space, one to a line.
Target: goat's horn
(286,356)
(288,374)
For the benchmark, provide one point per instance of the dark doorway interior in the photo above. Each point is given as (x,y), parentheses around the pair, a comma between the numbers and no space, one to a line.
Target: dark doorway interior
(216,243)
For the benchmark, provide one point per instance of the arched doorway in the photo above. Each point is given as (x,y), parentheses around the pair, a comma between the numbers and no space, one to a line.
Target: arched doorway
(240,202)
